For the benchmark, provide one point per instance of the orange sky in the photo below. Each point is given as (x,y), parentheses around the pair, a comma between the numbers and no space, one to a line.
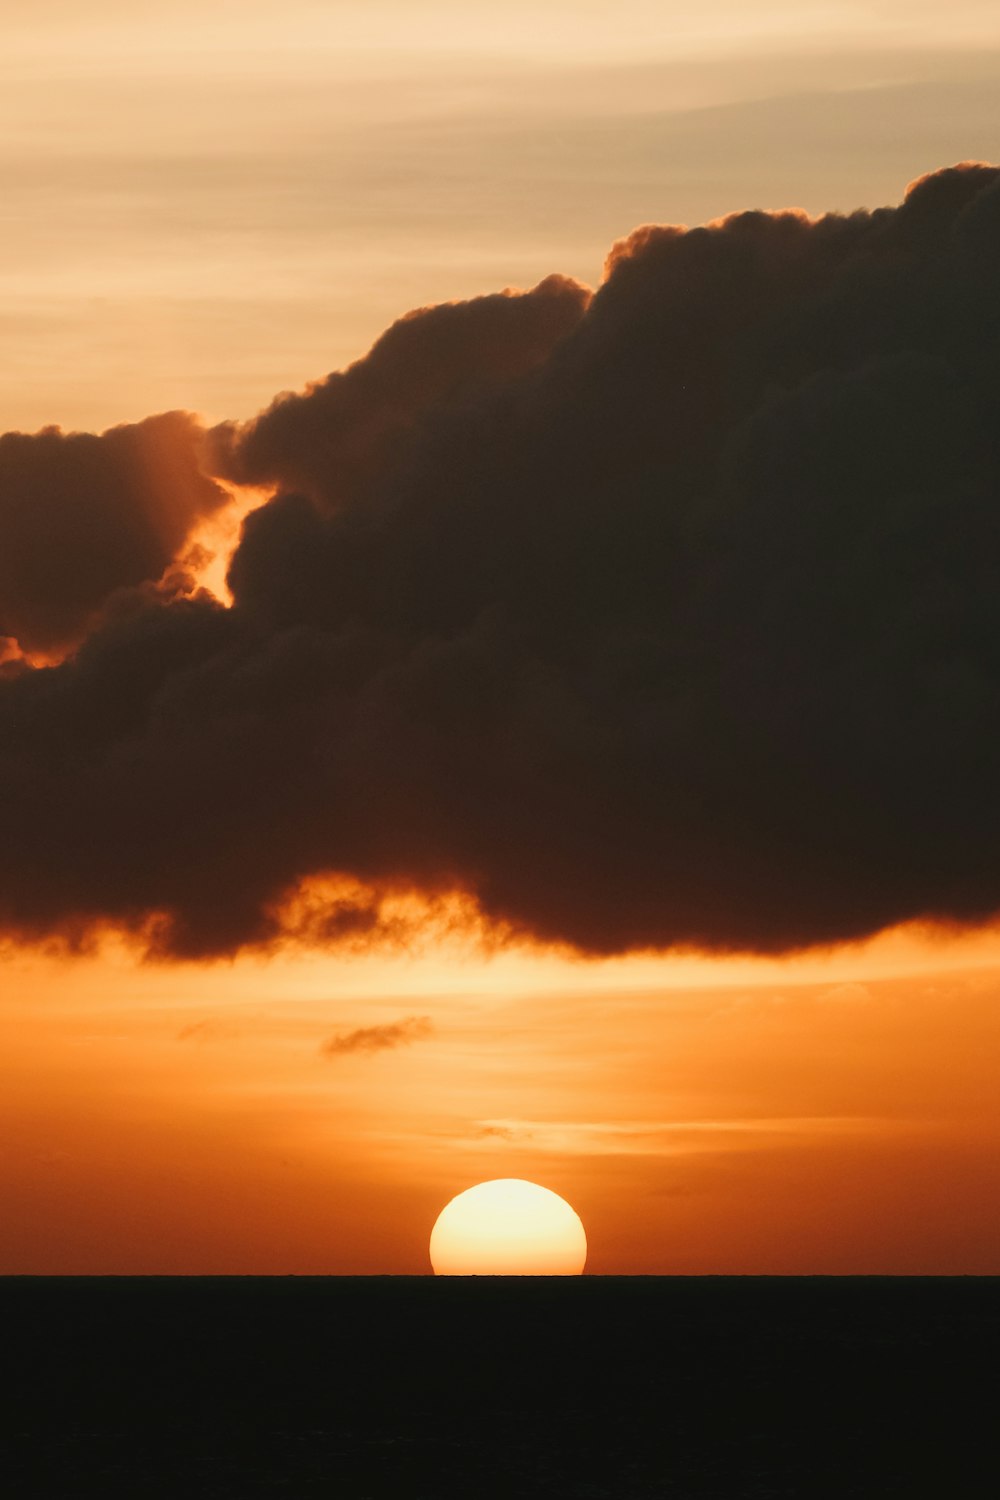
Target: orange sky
(192,221)
(831,1114)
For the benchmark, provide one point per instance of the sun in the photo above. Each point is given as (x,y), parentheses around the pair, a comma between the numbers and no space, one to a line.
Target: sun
(508,1227)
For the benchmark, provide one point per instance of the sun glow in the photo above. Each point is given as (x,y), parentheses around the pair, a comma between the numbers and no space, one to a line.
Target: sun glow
(508,1227)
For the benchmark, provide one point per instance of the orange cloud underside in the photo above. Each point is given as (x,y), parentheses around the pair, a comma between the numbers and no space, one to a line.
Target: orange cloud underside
(835,1114)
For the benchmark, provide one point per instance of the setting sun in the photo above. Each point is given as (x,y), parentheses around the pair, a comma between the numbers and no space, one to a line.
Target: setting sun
(508,1227)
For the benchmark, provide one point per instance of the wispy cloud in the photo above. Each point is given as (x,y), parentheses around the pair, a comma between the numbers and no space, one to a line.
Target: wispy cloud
(847,994)
(379,1038)
(511,1133)
(208,1031)
(666,1138)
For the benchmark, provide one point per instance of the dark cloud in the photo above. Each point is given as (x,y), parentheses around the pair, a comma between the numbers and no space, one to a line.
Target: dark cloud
(82,516)
(362,425)
(667,619)
(379,1038)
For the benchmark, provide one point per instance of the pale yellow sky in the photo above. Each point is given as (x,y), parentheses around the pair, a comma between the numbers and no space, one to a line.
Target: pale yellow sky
(206,204)
(569,30)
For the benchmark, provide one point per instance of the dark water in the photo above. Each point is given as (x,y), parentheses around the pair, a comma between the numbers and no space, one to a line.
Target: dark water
(598,1388)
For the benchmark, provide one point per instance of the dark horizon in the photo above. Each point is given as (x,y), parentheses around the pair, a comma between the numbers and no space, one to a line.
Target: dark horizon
(747,1388)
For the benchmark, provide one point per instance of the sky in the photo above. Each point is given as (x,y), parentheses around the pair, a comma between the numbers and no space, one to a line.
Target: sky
(558,740)
(249,193)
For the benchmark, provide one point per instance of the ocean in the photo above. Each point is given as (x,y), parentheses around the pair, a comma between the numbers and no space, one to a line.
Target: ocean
(601,1388)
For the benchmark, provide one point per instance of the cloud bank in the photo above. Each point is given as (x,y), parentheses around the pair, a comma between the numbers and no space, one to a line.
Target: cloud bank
(666,616)
(83,516)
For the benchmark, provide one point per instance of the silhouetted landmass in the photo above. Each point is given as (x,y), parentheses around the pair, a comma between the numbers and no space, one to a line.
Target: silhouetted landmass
(494,1389)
